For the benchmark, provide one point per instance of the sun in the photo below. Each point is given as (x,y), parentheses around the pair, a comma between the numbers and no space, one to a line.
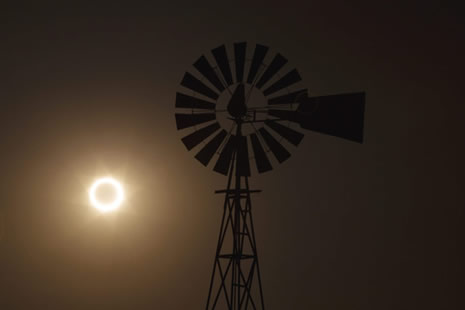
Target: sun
(107,205)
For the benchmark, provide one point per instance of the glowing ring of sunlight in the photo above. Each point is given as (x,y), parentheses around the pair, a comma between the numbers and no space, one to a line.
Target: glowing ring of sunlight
(105,207)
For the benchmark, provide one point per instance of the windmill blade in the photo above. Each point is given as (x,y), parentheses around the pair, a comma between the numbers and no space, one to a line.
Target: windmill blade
(243,166)
(204,67)
(290,78)
(257,60)
(189,120)
(239,55)
(261,160)
(188,102)
(226,155)
(193,83)
(287,115)
(222,60)
(276,148)
(200,135)
(207,152)
(276,64)
(288,98)
(337,115)
(287,133)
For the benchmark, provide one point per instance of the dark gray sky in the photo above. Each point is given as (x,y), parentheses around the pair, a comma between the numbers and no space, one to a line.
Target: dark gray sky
(89,90)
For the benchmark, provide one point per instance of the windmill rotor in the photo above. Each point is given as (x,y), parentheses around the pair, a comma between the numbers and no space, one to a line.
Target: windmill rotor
(267,140)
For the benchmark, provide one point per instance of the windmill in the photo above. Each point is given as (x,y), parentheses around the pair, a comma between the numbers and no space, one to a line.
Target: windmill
(242,112)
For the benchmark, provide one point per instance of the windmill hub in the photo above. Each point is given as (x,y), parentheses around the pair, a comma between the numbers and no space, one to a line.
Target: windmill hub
(236,107)
(254,99)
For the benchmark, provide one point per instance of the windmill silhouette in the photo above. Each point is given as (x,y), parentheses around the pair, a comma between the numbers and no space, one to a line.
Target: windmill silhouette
(243,110)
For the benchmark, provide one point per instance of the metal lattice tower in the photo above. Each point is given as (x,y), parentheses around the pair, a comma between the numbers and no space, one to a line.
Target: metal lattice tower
(236,270)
